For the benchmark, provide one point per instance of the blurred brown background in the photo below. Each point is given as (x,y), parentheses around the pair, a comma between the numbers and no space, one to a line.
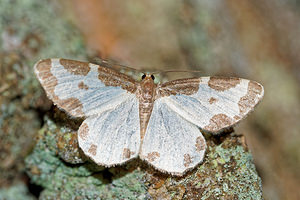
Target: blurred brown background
(257,40)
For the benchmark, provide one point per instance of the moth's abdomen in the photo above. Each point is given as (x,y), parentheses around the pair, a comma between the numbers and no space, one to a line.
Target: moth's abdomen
(145,110)
(146,95)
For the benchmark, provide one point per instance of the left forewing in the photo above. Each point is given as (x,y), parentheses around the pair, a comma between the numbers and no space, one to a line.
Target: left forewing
(212,103)
(83,89)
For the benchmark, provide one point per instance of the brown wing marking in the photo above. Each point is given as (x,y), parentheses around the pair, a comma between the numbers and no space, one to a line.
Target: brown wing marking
(111,77)
(200,144)
(152,156)
(250,99)
(127,153)
(187,159)
(83,86)
(212,100)
(49,81)
(246,104)
(218,122)
(93,149)
(83,131)
(75,67)
(190,86)
(72,105)
(187,86)
(223,83)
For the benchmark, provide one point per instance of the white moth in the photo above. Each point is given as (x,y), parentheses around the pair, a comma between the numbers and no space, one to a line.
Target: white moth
(159,123)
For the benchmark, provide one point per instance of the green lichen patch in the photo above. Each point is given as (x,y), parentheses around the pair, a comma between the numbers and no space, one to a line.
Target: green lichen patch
(17,128)
(68,150)
(19,191)
(66,138)
(28,32)
(30,26)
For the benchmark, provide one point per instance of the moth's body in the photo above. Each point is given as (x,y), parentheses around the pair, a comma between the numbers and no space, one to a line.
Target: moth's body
(146,93)
(159,123)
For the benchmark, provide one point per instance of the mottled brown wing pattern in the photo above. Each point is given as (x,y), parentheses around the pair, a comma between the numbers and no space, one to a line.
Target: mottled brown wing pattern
(83,89)
(212,103)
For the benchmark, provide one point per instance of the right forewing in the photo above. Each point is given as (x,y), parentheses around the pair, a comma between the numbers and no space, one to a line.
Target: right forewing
(212,103)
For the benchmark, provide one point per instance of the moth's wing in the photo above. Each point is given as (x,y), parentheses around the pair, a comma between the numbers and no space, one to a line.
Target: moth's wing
(83,89)
(171,144)
(212,103)
(113,137)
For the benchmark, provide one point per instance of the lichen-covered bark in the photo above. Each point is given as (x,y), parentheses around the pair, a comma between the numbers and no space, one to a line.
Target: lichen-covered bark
(28,32)
(16,192)
(227,172)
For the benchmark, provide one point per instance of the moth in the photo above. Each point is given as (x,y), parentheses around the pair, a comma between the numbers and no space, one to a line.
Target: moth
(160,123)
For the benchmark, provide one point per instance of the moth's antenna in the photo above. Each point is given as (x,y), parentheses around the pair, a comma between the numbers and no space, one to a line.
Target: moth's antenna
(170,71)
(113,64)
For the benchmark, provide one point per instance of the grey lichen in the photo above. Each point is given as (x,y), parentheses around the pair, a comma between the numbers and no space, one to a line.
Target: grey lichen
(232,171)
(33,22)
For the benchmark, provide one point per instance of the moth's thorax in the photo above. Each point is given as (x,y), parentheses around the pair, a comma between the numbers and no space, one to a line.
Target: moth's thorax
(146,95)
(147,89)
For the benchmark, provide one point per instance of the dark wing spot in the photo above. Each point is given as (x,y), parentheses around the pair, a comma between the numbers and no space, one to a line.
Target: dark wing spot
(93,149)
(200,144)
(152,156)
(218,122)
(127,153)
(83,86)
(212,100)
(223,83)
(187,160)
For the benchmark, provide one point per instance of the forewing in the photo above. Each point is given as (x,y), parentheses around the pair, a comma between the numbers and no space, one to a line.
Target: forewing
(83,89)
(171,144)
(212,103)
(113,137)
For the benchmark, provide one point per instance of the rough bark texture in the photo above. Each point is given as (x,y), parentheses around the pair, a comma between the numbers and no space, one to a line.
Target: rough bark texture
(249,39)
(28,32)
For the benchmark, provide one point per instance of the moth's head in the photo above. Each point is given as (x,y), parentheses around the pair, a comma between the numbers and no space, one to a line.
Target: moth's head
(149,77)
